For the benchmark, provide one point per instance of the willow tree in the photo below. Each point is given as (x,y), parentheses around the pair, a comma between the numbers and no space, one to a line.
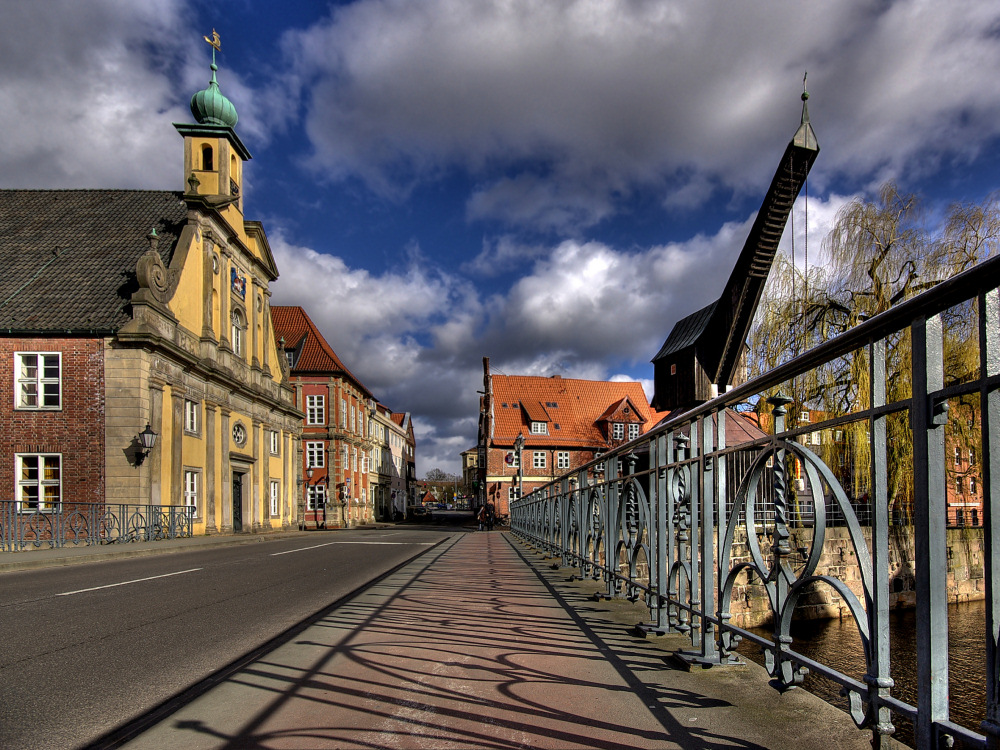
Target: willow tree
(880,252)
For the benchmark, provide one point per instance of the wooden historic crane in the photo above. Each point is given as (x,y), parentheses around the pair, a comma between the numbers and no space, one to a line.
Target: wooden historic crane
(704,351)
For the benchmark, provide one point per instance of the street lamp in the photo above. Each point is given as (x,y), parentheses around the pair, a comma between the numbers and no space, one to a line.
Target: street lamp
(519,446)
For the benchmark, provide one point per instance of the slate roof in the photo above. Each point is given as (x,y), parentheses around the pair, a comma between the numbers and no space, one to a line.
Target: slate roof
(686,331)
(314,354)
(69,256)
(579,404)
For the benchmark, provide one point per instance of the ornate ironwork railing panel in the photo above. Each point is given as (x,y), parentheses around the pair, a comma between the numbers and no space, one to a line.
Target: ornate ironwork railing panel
(687,521)
(90,523)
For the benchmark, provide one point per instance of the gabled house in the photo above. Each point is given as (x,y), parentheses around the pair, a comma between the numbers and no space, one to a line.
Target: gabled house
(408,457)
(563,422)
(338,444)
(130,313)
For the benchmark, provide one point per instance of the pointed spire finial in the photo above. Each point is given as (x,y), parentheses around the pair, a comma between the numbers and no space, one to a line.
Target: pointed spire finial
(804,136)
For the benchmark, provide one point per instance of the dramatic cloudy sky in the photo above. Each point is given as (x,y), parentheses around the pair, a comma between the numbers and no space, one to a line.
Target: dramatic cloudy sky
(551,183)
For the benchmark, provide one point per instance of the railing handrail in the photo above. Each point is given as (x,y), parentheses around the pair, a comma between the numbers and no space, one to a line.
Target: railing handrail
(89,523)
(680,496)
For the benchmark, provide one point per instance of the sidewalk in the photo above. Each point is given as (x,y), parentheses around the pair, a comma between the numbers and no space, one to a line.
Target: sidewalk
(481,644)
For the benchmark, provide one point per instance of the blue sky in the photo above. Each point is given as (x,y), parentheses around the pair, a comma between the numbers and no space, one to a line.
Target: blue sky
(551,183)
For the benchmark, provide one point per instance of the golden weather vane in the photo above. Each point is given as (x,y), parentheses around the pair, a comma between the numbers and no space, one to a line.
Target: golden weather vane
(214,41)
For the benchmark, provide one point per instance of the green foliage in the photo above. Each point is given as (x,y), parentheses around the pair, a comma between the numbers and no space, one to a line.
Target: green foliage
(880,252)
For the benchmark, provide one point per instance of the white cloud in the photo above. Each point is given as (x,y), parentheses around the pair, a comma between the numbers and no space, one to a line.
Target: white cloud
(563,105)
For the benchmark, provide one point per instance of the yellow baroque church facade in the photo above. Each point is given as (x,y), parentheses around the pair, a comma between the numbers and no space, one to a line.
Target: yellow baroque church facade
(127,311)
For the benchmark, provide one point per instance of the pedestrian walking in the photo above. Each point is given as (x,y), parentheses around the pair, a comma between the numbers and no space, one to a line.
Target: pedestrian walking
(481,517)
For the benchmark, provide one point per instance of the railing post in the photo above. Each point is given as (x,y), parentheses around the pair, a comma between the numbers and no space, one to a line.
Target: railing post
(878,680)
(612,499)
(694,533)
(928,420)
(989,406)
(680,533)
(658,605)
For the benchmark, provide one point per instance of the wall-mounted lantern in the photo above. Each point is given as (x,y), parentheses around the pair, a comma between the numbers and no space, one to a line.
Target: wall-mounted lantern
(146,440)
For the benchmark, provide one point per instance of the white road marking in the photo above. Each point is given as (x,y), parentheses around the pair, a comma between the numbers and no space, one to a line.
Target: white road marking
(317,546)
(126,583)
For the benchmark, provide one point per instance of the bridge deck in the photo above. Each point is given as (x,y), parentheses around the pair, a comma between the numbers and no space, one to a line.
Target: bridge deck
(481,644)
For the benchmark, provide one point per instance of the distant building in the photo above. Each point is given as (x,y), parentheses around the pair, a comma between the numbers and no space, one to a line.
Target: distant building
(337,447)
(392,465)
(470,468)
(564,423)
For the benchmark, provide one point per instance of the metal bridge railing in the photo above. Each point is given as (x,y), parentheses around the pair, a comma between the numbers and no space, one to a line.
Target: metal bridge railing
(90,523)
(686,521)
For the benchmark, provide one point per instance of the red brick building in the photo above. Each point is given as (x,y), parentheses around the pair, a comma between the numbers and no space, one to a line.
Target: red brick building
(52,421)
(564,423)
(338,447)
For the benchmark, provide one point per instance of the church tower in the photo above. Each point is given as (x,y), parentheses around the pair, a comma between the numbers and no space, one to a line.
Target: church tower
(213,154)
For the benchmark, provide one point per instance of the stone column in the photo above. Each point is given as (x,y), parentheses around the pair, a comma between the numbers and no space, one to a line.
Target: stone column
(253,318)
(210,442)
(265,473)
(224,293)
(266,327)
(256,507)
(227,477)
(156,425)
(288,481)
(177,394)
(208,284)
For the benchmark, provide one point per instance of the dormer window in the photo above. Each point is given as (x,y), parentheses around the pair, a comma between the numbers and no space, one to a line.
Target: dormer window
(633,431)
(290,354)
(539,428)
(618,431)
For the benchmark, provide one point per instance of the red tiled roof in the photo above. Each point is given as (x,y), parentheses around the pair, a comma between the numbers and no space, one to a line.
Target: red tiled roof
(314,354)
(578,407)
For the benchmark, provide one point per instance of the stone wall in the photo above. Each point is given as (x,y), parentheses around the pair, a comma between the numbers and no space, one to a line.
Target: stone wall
(965,576)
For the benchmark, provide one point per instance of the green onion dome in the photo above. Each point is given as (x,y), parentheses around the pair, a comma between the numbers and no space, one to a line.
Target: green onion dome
(210,107)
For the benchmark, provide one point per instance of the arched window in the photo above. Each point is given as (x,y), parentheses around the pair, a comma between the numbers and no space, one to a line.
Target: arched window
(207,160)
(238,328)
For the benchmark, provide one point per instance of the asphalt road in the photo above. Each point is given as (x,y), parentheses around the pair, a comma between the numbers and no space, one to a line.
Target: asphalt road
(87,648)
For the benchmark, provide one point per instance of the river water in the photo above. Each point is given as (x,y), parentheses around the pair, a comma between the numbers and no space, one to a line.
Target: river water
(836,643)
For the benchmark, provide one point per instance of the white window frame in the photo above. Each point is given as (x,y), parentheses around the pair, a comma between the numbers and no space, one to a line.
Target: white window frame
(316,497)
(192,421)
(539,428)
(562,460)
(43,502)
(33,387)
(237,326)
(315,455)
(343,413)
(316,409)
(633,430)
(275,498)
(275,443)
(192,480)
(618,431)
(538,459)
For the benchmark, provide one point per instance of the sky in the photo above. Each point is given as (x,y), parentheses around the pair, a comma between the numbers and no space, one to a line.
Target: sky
(550,183)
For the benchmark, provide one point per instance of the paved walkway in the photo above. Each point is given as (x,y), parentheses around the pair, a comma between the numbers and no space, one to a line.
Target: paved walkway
(480,643)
